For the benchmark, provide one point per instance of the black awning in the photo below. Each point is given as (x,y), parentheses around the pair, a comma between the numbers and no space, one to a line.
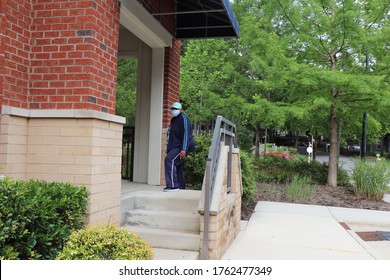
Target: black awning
(204,19)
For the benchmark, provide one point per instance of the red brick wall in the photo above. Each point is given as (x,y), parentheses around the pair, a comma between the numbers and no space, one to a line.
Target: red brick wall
(2,34)
(61,54)
(171,79)
(74,54)
(14,51)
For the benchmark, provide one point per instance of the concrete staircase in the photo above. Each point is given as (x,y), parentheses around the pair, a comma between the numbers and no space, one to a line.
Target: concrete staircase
(168,221)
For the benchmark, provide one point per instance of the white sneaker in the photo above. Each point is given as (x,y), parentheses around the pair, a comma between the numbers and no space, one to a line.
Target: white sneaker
(171,189)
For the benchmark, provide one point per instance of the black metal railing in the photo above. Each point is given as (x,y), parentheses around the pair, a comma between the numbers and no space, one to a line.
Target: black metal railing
(224,135)
(128,153)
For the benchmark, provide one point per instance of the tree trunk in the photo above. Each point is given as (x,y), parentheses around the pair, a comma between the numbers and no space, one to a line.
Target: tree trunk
(296,140)
(332,171)
(387,143)
(339,140)
(334,131)
(257,140)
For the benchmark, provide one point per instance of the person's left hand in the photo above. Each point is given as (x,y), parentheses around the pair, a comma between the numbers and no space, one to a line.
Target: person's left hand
(183,154)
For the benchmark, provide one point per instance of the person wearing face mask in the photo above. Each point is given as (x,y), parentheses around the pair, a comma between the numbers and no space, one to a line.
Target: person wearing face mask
(180,143)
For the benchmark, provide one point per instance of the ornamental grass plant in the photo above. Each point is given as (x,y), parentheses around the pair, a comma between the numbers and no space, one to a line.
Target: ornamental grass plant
(299,187)
(371,179)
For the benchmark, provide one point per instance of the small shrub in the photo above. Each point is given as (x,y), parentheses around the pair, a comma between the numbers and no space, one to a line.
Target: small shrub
(271,169)
(299,187)
(105,243)
(343,178)
(269,145)
(195,163)
(36,217)
(279,169)
(248,176)
(371,179)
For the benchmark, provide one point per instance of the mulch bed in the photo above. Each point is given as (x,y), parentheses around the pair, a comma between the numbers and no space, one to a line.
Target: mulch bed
(324,195)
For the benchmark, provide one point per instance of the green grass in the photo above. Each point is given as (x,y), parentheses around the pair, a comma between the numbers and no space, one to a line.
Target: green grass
(371,179)
(299,187)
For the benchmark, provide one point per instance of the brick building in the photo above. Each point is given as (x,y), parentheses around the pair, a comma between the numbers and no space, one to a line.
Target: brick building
(58,68)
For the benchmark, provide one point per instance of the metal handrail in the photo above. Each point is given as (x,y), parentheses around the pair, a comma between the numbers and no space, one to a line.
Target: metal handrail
(224,134)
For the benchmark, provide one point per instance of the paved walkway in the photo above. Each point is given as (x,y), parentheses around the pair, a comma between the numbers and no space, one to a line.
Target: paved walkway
(286,231)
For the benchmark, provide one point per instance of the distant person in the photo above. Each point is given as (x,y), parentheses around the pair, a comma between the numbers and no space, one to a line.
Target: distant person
(180,143)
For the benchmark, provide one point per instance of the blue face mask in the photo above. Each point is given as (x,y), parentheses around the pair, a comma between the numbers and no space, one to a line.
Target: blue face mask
(175,113)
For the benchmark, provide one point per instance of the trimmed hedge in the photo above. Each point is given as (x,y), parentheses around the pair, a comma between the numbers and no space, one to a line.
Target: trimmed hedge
(36,217)
(101,242)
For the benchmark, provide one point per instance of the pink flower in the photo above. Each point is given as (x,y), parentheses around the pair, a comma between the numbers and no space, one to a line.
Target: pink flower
(279,155)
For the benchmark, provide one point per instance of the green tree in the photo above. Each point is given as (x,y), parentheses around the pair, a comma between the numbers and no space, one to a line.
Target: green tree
(311,51)
(212,84)
(265,114)
(126,89)
(312,66)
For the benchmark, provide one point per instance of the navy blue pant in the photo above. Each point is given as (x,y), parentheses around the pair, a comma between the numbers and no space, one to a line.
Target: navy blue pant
(174,169)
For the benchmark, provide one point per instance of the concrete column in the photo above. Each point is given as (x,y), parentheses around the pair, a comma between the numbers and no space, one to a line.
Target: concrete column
(142,118)
(156,113)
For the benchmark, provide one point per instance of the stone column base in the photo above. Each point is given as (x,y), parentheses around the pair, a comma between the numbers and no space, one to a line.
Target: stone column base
(76,146)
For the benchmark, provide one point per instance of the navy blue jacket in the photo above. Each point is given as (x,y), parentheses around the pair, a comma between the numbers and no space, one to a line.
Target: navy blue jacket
(180,134)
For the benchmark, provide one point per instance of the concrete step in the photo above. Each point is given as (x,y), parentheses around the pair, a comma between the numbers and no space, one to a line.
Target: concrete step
(183,200)
(172,220)
(167,254)
(167,239)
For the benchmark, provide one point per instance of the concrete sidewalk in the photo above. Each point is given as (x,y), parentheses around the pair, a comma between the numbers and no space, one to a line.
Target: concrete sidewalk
(286,231)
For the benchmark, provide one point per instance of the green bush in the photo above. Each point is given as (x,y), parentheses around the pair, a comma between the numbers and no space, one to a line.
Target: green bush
(105,243)
(36,217)
(371,179)
(279,169)
(269,145)
(271,169)
(195,163)
(248,177)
